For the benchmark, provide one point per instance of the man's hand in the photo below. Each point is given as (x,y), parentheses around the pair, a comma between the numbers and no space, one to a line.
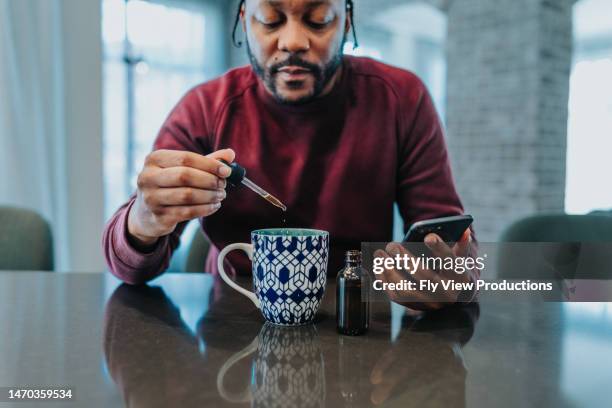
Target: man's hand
(176,186)
(424,300)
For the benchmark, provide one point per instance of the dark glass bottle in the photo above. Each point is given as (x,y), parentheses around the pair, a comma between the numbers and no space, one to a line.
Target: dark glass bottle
(352,290)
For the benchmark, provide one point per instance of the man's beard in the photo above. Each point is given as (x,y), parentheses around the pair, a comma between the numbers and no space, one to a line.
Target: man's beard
(322,77)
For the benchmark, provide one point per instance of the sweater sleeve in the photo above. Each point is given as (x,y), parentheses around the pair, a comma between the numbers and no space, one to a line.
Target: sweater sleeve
(425,188)
(184,129)
(128,263)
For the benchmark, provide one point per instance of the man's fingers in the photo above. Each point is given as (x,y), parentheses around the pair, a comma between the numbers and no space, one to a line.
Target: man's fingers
(381,392)
(421,272)
(209,164)
(190,212)
(463,249)
(393,249)
(467,236)
(188,196)
(380,368)
(437,246)
(188,177)
(389,275)
(226,154)
(426,299)
(400,296)
(419,299)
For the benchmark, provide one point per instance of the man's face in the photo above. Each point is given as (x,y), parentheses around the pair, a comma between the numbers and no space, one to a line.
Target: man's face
(295,46)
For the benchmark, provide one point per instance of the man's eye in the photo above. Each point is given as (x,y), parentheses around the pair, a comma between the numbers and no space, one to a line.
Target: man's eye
(317,25)
(273,24)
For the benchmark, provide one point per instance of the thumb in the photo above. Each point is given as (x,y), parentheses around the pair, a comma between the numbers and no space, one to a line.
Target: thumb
(462,248)
(225,154)
(467,236)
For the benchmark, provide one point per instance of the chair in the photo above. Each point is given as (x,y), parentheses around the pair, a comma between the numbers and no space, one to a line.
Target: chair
(197,253)
(26,242)
(578,247)
(602,212)
(190,256)
(560,228)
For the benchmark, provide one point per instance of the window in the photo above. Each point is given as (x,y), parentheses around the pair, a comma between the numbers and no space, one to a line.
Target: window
(590,110)
(153,53)
(418,46)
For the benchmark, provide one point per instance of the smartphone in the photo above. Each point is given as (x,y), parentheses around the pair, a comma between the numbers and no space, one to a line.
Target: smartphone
(450,229)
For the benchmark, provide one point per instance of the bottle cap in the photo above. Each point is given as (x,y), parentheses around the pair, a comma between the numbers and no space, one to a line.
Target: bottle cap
(353,256)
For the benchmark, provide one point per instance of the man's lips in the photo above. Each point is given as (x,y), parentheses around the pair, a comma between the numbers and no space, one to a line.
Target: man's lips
(294,70)
(294,73)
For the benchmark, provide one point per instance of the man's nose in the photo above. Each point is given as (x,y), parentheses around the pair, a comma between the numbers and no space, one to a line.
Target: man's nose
(293,38)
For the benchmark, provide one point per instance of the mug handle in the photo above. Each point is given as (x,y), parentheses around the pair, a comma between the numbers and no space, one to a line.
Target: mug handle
(246,395)
(248,248)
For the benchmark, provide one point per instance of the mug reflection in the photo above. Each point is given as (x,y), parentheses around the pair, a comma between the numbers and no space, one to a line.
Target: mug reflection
(287,369)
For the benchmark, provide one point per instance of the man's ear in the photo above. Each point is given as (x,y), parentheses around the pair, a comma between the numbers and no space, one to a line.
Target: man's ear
(347,24)
(242,16)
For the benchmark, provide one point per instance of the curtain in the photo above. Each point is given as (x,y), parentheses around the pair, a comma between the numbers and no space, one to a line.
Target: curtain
(31,124)
(41,140)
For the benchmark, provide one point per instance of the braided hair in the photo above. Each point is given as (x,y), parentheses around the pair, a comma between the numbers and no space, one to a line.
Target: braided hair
(349,7)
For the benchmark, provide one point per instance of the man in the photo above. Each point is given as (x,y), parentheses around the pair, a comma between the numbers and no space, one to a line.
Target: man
(338,139)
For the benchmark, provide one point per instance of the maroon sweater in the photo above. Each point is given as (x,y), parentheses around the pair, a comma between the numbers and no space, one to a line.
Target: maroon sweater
(338,163)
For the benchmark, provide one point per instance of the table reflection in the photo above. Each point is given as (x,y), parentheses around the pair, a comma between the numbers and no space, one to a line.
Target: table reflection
(234,359)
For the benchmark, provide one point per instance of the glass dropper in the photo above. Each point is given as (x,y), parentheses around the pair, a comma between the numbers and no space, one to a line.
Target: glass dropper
(239,176)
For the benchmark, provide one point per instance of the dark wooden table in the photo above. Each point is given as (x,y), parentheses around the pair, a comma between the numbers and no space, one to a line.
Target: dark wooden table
(189,340)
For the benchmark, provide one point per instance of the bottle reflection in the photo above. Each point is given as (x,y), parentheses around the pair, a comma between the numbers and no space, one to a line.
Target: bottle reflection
(287,369)
(352,370)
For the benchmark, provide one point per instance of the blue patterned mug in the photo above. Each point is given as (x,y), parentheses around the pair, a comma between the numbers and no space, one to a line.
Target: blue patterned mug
(289,272)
